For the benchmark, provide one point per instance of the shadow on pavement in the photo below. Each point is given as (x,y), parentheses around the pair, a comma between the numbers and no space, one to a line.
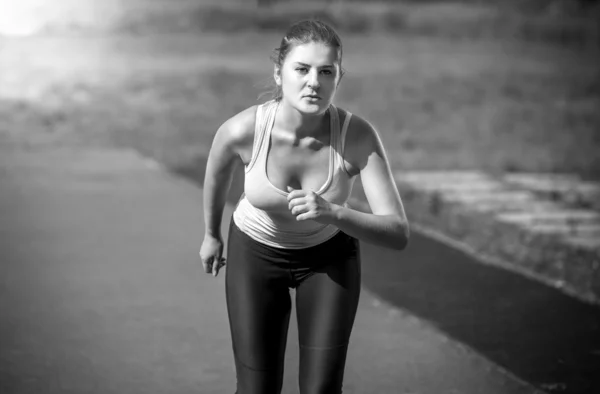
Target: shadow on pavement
(535,332)
(544,337)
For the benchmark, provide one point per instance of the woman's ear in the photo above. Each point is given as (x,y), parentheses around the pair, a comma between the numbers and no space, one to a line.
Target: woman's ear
(277,74)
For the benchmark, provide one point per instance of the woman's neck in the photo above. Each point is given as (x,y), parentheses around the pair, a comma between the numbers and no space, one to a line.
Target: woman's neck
(301,125)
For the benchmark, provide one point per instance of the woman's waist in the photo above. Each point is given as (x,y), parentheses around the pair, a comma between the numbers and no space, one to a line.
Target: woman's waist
(279,228)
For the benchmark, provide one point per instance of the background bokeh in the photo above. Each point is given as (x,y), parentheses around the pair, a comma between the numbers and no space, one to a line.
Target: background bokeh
(493,85)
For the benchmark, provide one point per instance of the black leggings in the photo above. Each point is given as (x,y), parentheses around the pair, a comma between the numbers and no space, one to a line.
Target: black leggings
(257,283)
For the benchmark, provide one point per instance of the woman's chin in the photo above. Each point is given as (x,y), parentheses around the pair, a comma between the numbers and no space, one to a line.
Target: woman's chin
(314,107)
(310,107)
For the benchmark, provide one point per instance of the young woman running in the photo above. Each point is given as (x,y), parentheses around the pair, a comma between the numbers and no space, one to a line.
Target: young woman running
(292,227)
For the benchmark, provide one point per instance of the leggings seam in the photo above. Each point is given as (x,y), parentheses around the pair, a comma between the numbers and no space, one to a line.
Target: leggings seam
(251,368)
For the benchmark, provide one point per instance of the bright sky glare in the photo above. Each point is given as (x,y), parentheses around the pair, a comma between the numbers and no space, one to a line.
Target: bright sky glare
(28,17)
(20,17)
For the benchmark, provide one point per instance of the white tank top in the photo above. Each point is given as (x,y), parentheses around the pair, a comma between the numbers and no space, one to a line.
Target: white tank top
(262,212)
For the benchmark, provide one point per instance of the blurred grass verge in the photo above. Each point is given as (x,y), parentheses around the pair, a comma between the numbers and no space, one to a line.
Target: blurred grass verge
(563,22)
(450,20)
(434,119)
(450,85)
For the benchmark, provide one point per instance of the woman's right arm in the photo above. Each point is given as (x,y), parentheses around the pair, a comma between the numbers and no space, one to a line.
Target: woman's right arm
(231,146)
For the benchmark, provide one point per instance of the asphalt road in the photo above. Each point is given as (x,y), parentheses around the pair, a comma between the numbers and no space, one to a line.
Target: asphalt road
(101,291)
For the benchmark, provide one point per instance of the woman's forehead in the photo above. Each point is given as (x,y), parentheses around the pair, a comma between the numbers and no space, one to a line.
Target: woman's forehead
(313,53)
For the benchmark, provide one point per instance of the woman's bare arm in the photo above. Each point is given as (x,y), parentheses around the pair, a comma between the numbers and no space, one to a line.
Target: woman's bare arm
(387,224)
(231,146)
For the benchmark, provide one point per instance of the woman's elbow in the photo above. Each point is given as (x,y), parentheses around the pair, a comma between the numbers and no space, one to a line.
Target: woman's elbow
(402,236)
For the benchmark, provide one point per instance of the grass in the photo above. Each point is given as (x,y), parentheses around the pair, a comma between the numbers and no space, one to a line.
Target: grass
(438,105)
(560,22)
(440,101)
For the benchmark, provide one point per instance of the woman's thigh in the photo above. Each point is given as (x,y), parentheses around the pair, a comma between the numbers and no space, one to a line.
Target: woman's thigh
(326,304)
(258,305)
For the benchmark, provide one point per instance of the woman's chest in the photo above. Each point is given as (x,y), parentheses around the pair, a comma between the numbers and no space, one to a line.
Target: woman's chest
(266,185)
(301,167)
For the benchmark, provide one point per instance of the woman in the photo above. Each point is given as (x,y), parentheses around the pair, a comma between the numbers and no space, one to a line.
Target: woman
(292,227)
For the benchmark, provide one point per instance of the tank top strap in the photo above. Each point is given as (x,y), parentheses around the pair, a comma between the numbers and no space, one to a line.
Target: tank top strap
(340,138)
(334,126)
(345,131)
(265,115)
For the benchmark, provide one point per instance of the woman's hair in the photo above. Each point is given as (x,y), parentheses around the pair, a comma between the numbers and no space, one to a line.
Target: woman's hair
(304,32)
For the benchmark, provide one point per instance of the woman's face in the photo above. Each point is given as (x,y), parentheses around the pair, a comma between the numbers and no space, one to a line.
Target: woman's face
(309,77)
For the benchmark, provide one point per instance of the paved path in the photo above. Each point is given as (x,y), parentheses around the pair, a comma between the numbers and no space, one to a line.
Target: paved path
(101,291)
(544,225)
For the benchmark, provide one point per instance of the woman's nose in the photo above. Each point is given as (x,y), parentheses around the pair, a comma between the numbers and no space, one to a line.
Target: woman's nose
(313,80)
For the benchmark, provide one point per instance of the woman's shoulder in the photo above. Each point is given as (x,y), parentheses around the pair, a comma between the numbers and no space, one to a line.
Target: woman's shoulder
(361,141)
(360,130)
(239,129)
(242,122)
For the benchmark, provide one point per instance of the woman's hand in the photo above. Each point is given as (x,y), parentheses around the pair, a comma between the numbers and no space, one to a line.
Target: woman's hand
(211,251)
(305,205)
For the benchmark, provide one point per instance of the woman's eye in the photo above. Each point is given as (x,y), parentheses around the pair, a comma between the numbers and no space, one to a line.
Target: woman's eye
(301,69)
(327,72)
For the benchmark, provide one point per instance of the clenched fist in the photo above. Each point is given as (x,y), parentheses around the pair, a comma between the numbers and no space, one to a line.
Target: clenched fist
(305,205)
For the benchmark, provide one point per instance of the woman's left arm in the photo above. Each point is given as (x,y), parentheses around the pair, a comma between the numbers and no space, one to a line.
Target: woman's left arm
(387,225)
